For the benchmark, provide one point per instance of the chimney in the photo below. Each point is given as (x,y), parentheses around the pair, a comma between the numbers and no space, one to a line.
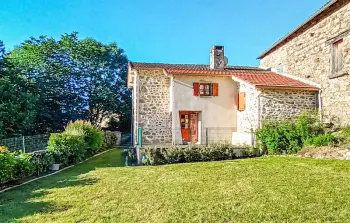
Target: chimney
(217,57)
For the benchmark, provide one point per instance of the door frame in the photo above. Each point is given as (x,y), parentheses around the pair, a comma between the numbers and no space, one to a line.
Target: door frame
(198,125)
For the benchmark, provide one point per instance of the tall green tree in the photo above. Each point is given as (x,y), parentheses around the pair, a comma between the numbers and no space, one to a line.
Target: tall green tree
(17,103)
(75,79)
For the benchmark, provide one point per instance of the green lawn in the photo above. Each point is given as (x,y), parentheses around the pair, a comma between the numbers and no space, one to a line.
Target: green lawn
(273,189)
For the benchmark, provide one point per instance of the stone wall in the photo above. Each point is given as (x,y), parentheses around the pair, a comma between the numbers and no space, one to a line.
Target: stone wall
(248,119)
(272,104)
(308,56)
(154,114)
(282,104)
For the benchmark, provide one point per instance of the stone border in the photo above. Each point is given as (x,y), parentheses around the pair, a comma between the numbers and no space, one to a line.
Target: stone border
(38,178)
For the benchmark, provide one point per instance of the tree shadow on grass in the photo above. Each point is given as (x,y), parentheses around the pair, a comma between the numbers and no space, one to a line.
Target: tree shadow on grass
(21,201)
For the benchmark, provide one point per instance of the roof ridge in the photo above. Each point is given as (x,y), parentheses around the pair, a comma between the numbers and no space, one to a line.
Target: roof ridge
(193,65)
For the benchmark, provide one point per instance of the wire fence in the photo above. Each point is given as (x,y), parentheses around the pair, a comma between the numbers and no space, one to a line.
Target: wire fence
(203,136)
(185,136)
(27,144)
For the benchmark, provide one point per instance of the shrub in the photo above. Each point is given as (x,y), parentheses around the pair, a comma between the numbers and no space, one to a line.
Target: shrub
(14,166)
(111,139)
(67,149)
(344,136)
(93,136)
(7,165)
(220,151)
(23,166)
(41,161)
(288,135)
(326,139)
(131,156)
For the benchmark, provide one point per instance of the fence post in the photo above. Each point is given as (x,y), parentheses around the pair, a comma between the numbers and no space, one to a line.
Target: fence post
(139,137)
(206,137)
(23,144)
(191,135)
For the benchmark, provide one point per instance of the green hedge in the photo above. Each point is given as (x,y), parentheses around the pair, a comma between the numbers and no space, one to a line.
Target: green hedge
(289,135)
(14,165)
(41,160)
(67,149)
(213,152)
(79,141)
(326,139)
(93,136)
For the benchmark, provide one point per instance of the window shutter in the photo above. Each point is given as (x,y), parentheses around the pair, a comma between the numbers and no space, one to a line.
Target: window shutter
(241,101)
(215,89)
(196,89)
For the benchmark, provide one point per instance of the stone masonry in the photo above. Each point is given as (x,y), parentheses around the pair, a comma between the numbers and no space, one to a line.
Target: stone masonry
(308,56)
(272,104)
(154,106)
(283,104)
(248,119)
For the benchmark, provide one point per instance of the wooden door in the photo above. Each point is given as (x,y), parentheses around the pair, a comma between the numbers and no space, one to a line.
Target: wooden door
(189,126)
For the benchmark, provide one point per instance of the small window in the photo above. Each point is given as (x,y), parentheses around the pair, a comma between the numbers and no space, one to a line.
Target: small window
(205,89)
(184,121)
(337,56)
(280,68)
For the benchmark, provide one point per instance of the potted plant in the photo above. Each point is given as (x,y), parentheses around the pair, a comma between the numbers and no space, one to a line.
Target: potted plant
(57,161)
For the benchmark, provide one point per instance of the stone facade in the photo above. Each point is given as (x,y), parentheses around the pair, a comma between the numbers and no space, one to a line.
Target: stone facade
(272,104)
(282,104)
(308,56)
(152,106)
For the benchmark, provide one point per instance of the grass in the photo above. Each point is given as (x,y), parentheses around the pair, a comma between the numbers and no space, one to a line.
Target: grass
(272,189)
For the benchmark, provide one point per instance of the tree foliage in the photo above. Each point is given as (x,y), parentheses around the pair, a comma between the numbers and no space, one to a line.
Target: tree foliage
(74,79)
(17,103)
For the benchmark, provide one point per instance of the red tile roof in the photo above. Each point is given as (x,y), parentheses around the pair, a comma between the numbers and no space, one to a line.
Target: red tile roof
(255,76)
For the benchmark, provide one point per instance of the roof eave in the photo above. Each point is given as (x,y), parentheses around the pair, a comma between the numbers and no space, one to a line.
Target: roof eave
(286,88)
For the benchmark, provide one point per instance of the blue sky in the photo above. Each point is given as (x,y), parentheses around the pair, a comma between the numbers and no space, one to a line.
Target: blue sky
(169,31)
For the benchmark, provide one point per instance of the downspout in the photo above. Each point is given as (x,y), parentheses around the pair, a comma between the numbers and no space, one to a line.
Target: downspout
(320,104)
(172,105)
(259,109)
(136,102)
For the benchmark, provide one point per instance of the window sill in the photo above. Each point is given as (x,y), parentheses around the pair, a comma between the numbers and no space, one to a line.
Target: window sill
(338,74)
(206,96)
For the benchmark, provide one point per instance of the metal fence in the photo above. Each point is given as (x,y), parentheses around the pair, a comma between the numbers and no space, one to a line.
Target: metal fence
(27,144)
(186,136)
(202,136)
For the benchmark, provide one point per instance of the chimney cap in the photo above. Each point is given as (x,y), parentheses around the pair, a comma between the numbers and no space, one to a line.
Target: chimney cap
(217,47)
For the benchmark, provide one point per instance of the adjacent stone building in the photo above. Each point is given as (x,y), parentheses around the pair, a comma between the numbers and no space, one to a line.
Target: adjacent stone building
(318,52)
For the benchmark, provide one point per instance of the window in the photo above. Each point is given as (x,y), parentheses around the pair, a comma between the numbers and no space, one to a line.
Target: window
(184,121)
(337,56)
(280,68)
(205,89)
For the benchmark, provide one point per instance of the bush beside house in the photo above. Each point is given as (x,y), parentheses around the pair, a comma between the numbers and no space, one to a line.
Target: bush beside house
(212,152)
(290,136)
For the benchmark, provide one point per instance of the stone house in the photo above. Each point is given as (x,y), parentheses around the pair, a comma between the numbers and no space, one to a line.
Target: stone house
(179,103)
(318,51)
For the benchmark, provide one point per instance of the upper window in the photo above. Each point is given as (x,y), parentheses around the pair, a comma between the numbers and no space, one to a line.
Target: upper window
(337,56)
(280,68)
(205,89)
